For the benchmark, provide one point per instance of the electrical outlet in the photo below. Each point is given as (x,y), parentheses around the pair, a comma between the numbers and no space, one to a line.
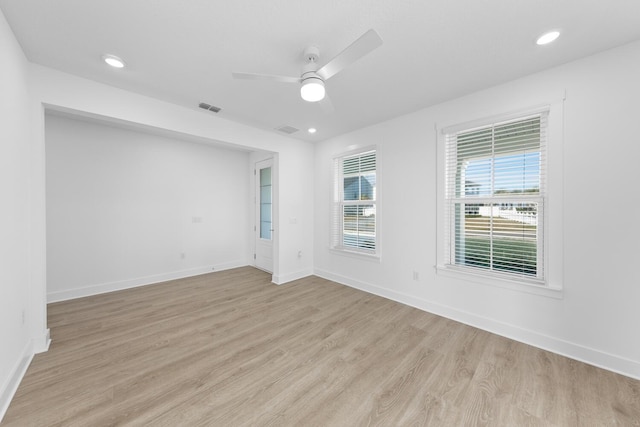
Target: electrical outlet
(416,275)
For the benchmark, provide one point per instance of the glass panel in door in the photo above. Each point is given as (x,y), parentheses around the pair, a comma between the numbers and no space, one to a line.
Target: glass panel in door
(265,204)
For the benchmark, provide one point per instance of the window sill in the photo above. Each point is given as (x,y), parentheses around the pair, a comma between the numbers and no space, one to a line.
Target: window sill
(500,282)
(356,254)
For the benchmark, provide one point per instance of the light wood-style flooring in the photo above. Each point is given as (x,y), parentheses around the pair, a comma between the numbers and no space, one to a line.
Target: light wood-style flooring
(232,349)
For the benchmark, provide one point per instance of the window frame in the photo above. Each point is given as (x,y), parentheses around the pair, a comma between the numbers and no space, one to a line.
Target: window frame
(456,197)
(338,204)
(551,218)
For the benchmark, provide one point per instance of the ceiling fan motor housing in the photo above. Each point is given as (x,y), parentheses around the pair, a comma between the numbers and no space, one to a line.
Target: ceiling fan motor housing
(309,69)
(309,72)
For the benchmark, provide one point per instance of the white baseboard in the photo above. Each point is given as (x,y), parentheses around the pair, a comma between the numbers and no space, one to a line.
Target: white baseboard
(610,362)
(41,344)
(290,277)
(138,281)
(10,387)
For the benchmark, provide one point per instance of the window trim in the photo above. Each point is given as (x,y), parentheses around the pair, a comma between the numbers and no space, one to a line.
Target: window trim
(336,223)
(552,215)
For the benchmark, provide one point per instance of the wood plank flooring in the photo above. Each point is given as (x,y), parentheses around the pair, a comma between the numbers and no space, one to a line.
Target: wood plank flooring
(232,349)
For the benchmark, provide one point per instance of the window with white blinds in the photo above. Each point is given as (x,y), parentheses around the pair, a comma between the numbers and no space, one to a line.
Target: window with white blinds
(355,198)
(494,198)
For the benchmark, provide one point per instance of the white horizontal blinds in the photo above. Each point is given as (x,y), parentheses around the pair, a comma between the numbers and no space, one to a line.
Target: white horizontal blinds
(355,222)
(494,194)
(338,197)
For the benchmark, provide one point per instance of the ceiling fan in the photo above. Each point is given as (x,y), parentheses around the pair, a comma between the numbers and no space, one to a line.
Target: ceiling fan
(312,77)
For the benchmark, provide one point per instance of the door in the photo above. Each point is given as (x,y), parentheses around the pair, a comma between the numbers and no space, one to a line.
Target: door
(263,255)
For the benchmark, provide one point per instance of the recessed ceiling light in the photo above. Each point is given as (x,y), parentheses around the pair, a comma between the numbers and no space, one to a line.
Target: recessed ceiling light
(547,38)
(311,130)
(113,60)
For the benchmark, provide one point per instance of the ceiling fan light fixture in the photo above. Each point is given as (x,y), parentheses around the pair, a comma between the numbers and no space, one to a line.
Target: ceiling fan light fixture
(312,89)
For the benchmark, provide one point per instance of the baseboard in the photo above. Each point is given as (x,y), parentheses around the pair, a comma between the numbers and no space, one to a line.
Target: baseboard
(10,387)
(290,277)
(571,350)
(42,343)
(138,281)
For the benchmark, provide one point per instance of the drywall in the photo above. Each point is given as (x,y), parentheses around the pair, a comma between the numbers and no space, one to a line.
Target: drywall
(594,317)
(16,346)
(60,91)
(127,208)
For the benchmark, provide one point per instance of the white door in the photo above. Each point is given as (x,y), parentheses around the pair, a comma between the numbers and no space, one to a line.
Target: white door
(263,255)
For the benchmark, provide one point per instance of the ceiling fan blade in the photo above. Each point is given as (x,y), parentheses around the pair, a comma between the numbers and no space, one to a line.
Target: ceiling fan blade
(252,76)
(327,105)
(359,48)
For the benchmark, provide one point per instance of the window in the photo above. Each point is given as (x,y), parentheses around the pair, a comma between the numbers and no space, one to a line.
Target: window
(355,198)
(266,225)
(495,178)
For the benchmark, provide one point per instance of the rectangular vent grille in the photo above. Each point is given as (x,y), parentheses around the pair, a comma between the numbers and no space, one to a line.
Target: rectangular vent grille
(209,107)
(287,129)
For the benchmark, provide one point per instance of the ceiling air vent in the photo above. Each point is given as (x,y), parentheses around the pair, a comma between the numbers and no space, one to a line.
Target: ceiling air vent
(287,129)
(206,106)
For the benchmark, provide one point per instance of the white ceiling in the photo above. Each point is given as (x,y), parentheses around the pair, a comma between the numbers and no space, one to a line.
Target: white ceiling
(434,50)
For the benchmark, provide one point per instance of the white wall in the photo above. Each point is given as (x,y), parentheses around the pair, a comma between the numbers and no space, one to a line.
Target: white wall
(296,213)
(64,92)
(127,208)
(596,318)
(16,347)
